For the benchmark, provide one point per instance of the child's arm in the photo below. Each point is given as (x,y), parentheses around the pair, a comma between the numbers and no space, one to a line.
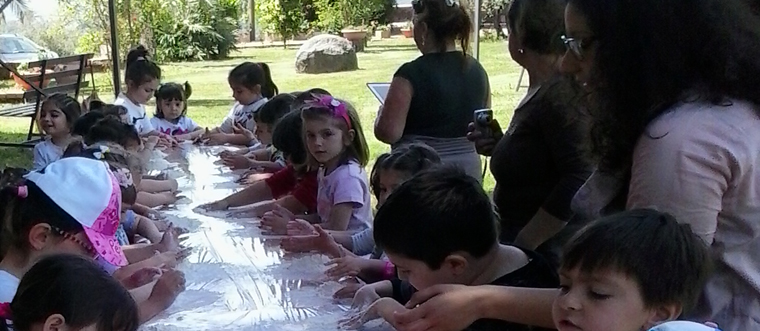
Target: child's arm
(195,134)
(266,166)
(146,211)
(147,228)
(156,186)
(261,154)
(340,216)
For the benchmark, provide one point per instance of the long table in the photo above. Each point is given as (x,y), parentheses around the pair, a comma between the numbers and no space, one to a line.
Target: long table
(238,278)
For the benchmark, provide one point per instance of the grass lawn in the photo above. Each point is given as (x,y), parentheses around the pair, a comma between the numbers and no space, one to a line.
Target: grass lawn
(212,98)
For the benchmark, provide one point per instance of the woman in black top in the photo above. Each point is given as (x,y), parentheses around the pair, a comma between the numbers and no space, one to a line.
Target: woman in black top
(432,99)
(537,162)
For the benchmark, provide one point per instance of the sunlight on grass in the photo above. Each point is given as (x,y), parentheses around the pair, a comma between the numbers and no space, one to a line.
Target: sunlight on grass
(212,98)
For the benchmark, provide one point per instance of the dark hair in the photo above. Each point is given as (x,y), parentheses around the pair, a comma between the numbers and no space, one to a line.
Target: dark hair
(76,288)
(437,212)
(409,159)
(539,24)
(171,92)
(358,149)
(287,137)
(305,96)
(669,263)
(447,19)
(250,74)
(653,54)
(274,109)
(83,124)
(139,68)
(68,105)
(111,129)
(20,214)
(113,110)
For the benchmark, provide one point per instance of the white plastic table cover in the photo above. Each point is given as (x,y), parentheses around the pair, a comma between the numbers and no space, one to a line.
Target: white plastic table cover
(237,278)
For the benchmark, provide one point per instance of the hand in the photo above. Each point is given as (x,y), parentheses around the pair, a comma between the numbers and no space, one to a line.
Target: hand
(170,240)
(156,215)
(348,291)
(349,266)
(169,286)
(300,227)
(237,162)
(151,142)
(240,129)
(216,139)
(275,222)
(364,297)
(171,259)
(141,277)
(216,205)
(441,308)
(322,242)
(484,145)
(169,197)
(384,307)
(252,176)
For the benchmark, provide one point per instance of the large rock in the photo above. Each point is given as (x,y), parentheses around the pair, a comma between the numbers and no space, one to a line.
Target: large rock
(326,53)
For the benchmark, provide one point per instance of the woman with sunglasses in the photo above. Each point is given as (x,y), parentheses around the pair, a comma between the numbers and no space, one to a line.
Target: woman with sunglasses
(675,125)
(432,99)
(537,163)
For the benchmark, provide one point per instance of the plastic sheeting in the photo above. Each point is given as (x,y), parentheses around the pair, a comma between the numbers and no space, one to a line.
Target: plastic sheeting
(237,278)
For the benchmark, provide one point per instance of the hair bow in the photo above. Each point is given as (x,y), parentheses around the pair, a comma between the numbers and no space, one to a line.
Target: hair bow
(5,310)
(22,191)
(103,149)
(338,108)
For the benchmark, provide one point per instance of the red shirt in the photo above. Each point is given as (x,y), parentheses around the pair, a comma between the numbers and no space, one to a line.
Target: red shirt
(303,188)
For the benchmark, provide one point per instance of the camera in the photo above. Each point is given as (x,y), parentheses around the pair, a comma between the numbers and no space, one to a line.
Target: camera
(482,119)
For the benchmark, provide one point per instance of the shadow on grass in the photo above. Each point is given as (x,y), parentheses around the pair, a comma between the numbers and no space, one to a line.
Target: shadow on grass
(389,48)
(14,156)
(210,102)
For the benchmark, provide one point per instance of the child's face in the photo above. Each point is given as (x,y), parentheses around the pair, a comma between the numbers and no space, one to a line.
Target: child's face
(263,133)
(245,95)
(53,120)
(325,140)
(172,109)
(419,274)
(602,301)
(388,181)
(143,92)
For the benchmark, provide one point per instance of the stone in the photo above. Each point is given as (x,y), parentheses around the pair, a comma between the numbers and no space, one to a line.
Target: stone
(326,53)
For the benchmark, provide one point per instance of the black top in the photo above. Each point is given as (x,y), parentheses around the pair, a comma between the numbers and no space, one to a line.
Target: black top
(536,274)
(447,90)
(539,162)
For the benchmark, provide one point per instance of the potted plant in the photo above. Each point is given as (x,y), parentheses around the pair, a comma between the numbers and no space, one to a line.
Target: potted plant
(383,32)
(23,70)
(356,35)
(408,30)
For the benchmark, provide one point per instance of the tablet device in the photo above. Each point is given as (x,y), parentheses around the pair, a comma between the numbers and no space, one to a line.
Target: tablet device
(380,90)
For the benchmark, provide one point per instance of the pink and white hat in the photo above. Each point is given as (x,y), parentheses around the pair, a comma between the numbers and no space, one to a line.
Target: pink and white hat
(87,191)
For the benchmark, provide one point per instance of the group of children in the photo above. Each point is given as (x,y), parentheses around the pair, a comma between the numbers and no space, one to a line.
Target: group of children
(305,153)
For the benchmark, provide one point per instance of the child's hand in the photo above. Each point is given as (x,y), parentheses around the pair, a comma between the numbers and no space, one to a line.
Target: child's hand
(216,139)
(141,277)
(275,222)
(169,286)
(151,142)
(381,308)
(240,129)
(348,291)
(349,266)
(300,227)
(216,205)
(169,197)
(237,162)
(364,296)
(322,242)
(252,176)
(170,240)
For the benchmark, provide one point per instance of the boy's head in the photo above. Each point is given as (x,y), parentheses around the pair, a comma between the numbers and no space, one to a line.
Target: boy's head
(435,225)
(269,114)
(629,272)
(287,137)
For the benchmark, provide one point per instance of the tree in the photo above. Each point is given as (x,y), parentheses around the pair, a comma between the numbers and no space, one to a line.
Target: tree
(18,7)
(284,17)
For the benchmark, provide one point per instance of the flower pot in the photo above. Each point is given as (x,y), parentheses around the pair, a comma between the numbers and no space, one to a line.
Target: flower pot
(356,37)
(407,32)
(26,87)
(383,34)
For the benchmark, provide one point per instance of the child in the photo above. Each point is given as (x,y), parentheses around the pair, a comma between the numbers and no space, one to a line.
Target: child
(294,187)
(335,141)
(439,227)
(390,170)
(269,159)
(142,77)
(251,85)
(53,294)
(171,112)
(608,280)
(57,117)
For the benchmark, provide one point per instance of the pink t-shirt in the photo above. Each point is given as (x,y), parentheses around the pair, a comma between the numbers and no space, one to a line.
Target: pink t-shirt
(346,184)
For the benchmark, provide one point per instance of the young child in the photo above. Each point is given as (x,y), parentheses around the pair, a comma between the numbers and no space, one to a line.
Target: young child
(335,141)
(608,279)
(171,112)
(142,77)
(68,292)
(269,159)
(57,117)
(251,85)
(439,227)
(293,188)
(389,171)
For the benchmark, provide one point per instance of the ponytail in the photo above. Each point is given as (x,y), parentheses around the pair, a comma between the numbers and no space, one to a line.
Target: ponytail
(139,67)
(447,19)
(268,89)
(249,74)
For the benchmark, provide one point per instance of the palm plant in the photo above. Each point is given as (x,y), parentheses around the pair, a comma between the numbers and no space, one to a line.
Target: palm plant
(20,8)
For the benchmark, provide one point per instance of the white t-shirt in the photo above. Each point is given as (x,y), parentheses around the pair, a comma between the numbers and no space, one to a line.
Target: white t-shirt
(242,114)
(184,125)
(46,152)
(8,286)
(136,113)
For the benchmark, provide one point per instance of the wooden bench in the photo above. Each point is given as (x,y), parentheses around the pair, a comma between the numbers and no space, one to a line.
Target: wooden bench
(60,75)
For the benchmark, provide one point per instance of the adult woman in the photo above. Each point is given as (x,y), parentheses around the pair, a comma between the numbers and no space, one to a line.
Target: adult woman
(432,99)
(537,162)
(676,122)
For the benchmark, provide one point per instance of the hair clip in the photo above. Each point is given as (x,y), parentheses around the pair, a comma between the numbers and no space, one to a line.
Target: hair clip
(124,176)
(338,108)
(22,191)
(101,154)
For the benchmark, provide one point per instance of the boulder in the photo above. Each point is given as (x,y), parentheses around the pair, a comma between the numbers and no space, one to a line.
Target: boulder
(326,53)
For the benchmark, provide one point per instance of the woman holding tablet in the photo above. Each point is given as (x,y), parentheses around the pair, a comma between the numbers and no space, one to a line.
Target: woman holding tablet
(432,99)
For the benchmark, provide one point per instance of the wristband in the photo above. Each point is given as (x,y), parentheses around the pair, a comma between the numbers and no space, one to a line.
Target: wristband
(390,270)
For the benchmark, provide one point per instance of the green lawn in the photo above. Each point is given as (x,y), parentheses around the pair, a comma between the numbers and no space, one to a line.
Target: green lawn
(211,98)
